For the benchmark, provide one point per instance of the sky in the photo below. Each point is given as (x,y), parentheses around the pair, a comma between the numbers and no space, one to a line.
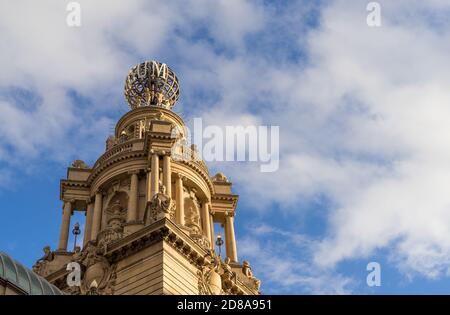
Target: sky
(363,114)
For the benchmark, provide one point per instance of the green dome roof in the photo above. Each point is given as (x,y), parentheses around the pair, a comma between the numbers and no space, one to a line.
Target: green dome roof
(22,277)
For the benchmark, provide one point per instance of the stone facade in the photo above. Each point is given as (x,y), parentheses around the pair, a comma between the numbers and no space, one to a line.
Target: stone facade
(150,206)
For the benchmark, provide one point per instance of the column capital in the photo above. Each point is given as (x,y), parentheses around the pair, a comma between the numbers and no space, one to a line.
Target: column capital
(134,172)
(212,212)
(155,152)
(229,214)
(166,153)
(182,177)
(160,152)
(69,200)
(89,200)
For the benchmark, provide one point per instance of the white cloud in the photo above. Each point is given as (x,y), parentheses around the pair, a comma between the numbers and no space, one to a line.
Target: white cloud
(282,269)
(45,57)
(366,123)
(363,119)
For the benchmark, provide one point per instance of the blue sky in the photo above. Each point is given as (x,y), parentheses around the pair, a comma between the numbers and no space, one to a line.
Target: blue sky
(363,115)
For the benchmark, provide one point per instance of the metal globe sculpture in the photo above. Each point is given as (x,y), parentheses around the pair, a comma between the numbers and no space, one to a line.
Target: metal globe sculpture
(151,83)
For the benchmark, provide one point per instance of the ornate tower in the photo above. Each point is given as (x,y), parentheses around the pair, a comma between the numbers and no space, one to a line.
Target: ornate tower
(150,207)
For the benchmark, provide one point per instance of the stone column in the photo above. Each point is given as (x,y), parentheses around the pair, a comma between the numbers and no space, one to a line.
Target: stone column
(88,222)
(97,218)
(230,241)
(206,220)
(154,174)
(213,239)
(132,213)
(65,225)
(167,173)
(149,185)
(179,200)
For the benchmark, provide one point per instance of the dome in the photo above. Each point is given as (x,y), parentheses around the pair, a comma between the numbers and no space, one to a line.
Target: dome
(19,276)
(151,83)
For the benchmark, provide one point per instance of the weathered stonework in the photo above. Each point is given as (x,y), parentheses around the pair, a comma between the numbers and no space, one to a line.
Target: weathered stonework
(150,207)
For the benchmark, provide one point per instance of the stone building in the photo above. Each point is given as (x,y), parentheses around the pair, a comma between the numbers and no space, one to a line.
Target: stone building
(150,206)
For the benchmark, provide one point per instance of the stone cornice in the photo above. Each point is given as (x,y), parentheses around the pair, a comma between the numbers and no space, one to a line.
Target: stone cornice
(70,183)
(200,171)
(171,234)
(143,111)
(78,169)
(225,197)
(74,183)
(122,156)
(162,230)
(113,160)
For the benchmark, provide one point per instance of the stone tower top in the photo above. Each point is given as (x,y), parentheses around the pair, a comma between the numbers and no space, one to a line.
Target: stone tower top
(151,208)
(151,83)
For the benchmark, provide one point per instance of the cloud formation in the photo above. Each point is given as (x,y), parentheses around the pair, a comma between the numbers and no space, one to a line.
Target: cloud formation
(363,112)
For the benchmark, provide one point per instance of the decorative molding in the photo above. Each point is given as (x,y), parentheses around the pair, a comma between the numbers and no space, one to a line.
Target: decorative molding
(132,172)
(159,207)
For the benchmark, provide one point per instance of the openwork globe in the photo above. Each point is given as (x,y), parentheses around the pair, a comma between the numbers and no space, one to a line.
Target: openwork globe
(151,83)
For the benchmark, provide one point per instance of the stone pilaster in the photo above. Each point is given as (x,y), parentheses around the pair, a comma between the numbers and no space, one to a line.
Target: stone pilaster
(88,222)
(132,213)
(230,240)
(154,177)
(149,184)
(213,240)
(206,221)
(65,225)
(179,199)
(97,218)
(167,173)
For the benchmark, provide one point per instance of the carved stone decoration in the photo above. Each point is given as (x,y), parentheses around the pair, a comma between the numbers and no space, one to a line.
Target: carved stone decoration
(114,230)
(110,142)
(193,220)
(201,240)
(192,217)
(89,255)
(73,290)
(161,206)
(77,254)
(40,267)
(220,177)
(209,280)
(247,271)
(125,183)
(79,164)
(98,276)
(97,272)
(228,276)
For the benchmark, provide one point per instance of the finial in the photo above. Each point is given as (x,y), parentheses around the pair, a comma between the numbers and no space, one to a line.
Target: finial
(219,243)
(151,83)
(76,231)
